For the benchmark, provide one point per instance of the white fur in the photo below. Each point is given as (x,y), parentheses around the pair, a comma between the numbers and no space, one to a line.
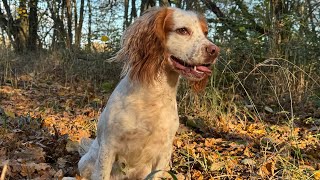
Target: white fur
(127,134)
(189,48)
(137,127)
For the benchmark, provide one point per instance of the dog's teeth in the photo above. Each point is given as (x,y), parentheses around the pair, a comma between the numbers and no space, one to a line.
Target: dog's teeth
(195,69)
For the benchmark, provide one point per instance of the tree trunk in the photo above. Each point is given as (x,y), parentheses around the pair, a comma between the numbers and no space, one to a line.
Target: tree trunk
(78,28)
(89,25)
(164,3)
(4,43)
(133,10)
(23,28)
(310,15)
(59,32)
(179,3)
(280,31)
(33,25)
(189,5)
(69,23)
(146,4)
(6,24)
(126,14)
(75,13)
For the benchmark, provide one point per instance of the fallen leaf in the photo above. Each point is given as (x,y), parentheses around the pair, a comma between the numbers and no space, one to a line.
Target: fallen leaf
(9,113)
(209,142)
(72,146)
(31,154)
(316,175)
(61,163)
(59,174)
(267,169)
(248,161)
(180,176)
(178,143)
(268,109)
(247,152)
(197,175)
(217,166)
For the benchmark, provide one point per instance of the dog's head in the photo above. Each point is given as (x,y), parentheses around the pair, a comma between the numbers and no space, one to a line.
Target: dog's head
(169,37)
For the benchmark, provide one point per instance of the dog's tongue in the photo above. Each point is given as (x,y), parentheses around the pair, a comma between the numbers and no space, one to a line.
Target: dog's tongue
(204,69)
(179,66)
(193,70)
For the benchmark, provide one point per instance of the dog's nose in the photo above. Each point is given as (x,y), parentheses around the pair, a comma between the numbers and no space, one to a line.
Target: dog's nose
(212,49)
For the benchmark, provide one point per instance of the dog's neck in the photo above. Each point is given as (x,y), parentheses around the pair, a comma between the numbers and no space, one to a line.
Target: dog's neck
(169,77)
(165,85)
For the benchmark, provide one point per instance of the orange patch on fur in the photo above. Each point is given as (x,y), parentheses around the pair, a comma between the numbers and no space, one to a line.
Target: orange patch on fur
(143,46)
(203,24)
(199,86)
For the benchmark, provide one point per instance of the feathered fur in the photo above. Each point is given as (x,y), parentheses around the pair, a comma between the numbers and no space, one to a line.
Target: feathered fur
(143,45)
(136,129)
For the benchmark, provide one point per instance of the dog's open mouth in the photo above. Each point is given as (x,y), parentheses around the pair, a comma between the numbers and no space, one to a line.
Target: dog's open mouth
(191,70)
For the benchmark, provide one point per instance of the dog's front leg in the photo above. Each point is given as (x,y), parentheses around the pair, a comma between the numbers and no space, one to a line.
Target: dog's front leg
(104,164)
(162,163)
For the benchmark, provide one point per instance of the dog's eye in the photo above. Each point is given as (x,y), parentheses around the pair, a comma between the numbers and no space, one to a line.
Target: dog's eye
(183,31)
(206,33)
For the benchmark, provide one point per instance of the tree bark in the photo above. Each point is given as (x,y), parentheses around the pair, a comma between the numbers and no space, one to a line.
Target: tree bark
(165,3)
(133,10)
(23,28)
(178,3)
(69,23)
(33,25)
(146,4)
(59,32)
(6,24)
(75,13)
(78,28)
(310,15)
(89,25)
(17,30)
(126,14)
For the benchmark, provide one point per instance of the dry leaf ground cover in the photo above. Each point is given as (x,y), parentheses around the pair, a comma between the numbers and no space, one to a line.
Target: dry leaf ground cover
(41,121)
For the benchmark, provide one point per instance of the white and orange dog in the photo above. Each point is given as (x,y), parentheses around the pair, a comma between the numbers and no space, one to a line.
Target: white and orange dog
(137,127)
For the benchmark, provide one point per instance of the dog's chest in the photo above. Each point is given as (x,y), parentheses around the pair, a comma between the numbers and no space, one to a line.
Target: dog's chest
(153,127)
(141,125)
(147,133)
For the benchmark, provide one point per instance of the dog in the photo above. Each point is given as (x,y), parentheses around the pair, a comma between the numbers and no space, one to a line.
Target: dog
(136,129)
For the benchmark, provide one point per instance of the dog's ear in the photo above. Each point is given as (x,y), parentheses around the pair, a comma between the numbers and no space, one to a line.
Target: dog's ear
(143,45)
(199,86)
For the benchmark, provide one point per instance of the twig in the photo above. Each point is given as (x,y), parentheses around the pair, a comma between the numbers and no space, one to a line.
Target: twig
(4,170)
(218,177)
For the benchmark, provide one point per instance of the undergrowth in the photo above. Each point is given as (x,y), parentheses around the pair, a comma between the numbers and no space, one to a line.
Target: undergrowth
(274,91)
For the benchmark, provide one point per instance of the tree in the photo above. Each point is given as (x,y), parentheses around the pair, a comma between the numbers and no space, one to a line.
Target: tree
(89,25)
(146,4)
(78,25)
(69,23)
(33,25)
(17,29)
(59,32)
(126,21)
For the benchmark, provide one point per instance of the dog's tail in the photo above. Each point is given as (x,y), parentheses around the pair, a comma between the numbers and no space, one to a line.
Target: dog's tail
(84,145)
